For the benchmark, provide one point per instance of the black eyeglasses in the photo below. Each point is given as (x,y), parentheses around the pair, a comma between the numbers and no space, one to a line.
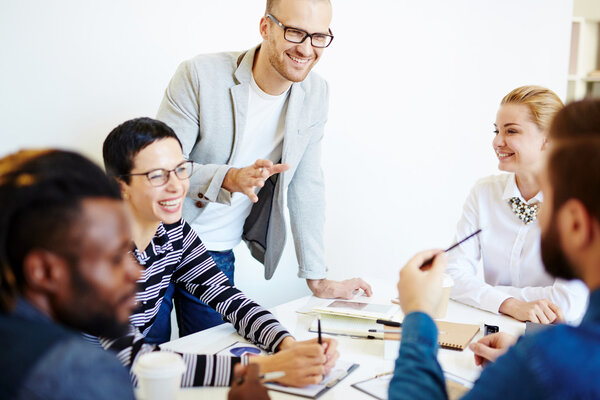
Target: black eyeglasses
(296,35)
(160,176)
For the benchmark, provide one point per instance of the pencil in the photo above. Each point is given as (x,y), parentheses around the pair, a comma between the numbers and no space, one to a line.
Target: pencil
(319,330)
(427,262)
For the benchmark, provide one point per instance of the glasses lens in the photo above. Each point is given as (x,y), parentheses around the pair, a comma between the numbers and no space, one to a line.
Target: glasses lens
(184,171)
(294,35)
(158,177)
(320,40)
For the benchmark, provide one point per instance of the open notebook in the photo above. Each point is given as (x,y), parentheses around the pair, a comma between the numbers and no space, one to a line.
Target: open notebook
(358,309)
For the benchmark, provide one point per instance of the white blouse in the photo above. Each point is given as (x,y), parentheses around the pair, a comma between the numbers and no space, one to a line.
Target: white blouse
(510,254)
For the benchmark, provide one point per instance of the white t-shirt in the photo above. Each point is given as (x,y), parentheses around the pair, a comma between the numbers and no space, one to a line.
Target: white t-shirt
(509,251)
(220,226)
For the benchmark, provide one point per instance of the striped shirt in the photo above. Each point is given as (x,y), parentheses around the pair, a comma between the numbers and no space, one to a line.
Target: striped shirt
(176,254)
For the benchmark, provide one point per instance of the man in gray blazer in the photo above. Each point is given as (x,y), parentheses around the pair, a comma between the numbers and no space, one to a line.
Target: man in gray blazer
(255,120)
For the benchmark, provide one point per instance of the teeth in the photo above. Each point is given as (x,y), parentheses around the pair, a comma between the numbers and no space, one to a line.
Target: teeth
(170,203)
(503,154)
(299,60)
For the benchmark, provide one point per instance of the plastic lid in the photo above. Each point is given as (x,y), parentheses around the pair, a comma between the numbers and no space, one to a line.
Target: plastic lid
(159,364)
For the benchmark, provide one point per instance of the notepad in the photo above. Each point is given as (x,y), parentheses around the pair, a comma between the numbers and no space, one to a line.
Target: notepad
(341,370)
(358,309)
(347,326)
(451,335)
(378,386)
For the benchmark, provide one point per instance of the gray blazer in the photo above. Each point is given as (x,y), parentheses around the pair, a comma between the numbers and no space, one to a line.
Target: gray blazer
(206,104)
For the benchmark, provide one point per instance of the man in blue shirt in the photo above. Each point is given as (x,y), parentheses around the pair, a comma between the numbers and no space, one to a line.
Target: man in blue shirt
(558,363)
(64,268)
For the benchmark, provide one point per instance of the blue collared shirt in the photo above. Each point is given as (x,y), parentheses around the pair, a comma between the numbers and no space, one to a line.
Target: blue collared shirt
(44,360)
(559,363)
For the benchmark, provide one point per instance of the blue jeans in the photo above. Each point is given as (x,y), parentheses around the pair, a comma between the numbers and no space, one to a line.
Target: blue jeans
(192,314)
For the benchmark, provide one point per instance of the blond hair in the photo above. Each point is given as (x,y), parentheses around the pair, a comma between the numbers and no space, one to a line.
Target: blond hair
(543,103)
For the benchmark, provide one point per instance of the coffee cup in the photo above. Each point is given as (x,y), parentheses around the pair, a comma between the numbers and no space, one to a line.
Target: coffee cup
(159,375)
(447,284)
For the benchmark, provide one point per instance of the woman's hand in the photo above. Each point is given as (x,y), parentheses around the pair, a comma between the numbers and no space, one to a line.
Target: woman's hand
(303,363)
(538,311)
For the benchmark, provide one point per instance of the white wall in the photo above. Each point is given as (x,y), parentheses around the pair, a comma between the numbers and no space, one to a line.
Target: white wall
(414,91)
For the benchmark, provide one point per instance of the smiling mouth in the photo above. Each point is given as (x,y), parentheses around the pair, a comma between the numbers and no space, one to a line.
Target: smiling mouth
(504,155)
(299,60)
(170,203)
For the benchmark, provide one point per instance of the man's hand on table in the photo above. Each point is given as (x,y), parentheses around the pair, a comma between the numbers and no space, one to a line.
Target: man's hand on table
(346,289)
(539,311)
(490,347)
(246,385)
(422,290)
(304,363)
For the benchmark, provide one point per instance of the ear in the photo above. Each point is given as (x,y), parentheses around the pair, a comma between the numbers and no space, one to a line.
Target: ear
(45,271)
(546,141)
(575,225)
(124,189)
(264,27)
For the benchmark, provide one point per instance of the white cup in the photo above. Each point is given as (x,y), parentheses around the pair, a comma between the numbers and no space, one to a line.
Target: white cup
(159,375)
(443,306)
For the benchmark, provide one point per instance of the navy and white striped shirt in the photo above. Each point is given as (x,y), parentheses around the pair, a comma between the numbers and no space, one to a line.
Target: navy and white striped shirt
(177,254)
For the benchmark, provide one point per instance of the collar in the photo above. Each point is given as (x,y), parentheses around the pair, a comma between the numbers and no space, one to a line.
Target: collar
(245,61)
(24,309)
(160,244)
(593,312)
(512,190)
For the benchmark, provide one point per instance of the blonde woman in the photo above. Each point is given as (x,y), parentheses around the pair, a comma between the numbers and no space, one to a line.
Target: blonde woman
(513,280)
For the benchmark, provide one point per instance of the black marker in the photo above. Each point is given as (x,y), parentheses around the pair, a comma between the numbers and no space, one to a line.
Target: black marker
(427,262)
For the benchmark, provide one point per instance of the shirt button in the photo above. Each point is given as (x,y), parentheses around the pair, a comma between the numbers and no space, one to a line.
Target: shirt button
(199,204)
(200,195)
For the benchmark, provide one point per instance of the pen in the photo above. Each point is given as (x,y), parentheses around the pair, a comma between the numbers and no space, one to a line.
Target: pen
(384,331)
(268,376)
(319,330)
(384,374)
(427,262)
(389,323)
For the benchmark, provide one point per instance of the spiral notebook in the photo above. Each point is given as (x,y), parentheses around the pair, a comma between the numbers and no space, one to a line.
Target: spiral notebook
(451,335)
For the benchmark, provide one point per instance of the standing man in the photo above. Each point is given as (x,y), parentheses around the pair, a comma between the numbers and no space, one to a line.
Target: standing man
(255,121)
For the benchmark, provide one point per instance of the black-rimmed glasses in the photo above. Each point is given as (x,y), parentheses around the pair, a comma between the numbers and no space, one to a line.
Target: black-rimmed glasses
(160,176)
(296,35)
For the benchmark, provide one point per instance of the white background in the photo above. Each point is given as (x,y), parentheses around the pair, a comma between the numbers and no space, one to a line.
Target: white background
(415,87)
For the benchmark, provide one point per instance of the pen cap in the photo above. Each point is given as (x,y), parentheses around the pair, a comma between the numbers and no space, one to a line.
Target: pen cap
(447,284)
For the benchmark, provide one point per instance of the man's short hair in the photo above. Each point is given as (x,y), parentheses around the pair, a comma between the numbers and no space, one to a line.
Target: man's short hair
(574,159)
(41,192)
(125,141)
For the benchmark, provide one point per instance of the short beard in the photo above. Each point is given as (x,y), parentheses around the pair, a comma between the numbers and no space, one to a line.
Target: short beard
(87,314)
(554,258)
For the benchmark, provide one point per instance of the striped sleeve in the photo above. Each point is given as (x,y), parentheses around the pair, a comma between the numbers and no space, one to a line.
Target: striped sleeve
(201,369)
(199,275)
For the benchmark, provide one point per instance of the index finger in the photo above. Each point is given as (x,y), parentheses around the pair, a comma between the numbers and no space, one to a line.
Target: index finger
(418,259)
(366,287)
(560,317)
(252,371)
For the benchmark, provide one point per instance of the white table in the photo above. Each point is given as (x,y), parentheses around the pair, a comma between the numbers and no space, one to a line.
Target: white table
(368,353)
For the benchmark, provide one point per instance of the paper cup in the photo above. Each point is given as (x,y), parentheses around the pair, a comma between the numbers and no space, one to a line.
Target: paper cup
(443,306)
(159,375)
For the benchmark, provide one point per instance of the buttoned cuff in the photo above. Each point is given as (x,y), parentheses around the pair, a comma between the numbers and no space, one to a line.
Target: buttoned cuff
(492,300)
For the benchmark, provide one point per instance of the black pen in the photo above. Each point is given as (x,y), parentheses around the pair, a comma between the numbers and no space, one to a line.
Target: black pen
(319,330)
(389,323)
(430,260)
